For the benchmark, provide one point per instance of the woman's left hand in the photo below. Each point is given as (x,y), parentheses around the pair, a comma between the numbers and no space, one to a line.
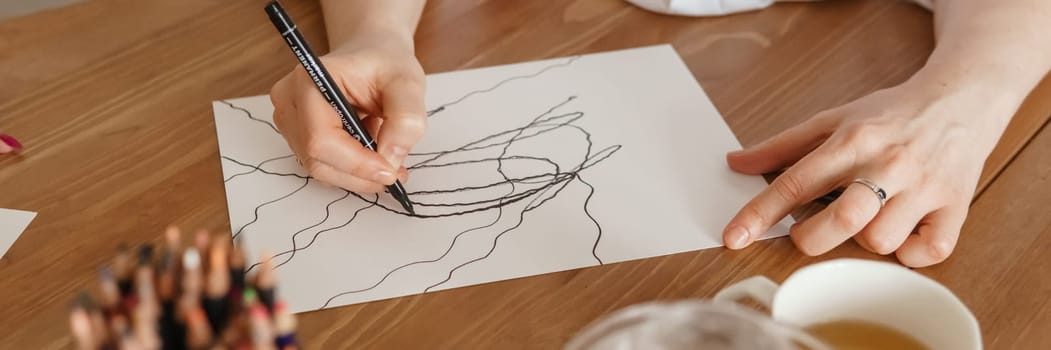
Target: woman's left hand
(923,142)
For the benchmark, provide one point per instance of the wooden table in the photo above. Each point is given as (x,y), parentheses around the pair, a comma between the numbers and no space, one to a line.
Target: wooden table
(112,98)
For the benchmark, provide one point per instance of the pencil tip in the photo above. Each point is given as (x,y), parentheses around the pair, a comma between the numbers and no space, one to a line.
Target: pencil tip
(145,254)
(83,301)
(106,273)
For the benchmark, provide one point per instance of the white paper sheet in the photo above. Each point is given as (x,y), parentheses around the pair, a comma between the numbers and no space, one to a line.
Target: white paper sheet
(613,156)
(12,223)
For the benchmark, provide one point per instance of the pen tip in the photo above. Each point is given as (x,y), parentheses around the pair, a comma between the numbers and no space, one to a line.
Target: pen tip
(408,207)
(398,192)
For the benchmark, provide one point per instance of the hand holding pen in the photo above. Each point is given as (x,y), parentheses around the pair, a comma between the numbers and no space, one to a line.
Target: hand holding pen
(328,108)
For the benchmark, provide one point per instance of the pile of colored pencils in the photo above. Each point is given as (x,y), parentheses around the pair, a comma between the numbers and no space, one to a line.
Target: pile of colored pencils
(183,297)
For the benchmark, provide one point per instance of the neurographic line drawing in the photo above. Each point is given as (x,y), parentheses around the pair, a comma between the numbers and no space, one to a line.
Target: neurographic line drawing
(526,169)
(546,180)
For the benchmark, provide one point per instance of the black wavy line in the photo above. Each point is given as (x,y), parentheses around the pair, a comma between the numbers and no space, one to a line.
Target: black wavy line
(574,117)
(505,144)
(486,160)
(396,269)
(499,84)
(264,171)
(594,247)
(256,211)
(316,234)
(256,167)
(531,179)
(250,116)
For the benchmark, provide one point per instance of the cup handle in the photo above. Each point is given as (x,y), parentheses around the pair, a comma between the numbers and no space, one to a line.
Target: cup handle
(759,288)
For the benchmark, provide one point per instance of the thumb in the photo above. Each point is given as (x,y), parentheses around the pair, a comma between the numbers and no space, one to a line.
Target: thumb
(404,119)
(783,149)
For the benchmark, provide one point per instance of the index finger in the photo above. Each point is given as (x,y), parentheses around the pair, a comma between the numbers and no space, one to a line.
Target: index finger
(404,119)
(814,175)
(327,142)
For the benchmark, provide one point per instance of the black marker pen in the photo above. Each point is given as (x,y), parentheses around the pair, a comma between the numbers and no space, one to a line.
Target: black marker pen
(329,90)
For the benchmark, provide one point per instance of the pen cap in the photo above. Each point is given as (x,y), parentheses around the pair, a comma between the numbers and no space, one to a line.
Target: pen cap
(279,17)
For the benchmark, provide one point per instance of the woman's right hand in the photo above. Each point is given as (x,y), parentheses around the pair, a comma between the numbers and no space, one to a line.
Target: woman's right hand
(383,80)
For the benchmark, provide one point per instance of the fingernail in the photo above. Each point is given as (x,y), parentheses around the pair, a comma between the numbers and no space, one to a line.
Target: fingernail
(736,237)
(384,177)
(11,141)
(394,155)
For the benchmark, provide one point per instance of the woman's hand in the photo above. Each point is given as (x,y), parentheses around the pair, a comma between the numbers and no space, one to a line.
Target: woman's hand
(923,142)
(383,80)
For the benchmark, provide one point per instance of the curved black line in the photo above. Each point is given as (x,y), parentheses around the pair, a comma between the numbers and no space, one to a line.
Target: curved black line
(316,234)
(397,210)
(505,144)
(328,212)
(250,116)
(487,160)
(500,83)
(594,247)
(256,167)
(396,269)
(532,179)
(264,171)
(572,117)
(479,202)
(256,211)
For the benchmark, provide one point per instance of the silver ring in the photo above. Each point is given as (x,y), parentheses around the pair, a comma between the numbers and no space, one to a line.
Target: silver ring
(880,193)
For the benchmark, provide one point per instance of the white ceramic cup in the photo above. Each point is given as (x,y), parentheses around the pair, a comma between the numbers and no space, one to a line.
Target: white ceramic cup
(862,290)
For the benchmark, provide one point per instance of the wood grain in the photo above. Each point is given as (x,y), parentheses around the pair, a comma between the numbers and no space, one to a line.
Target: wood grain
(1001,265)
(112,99)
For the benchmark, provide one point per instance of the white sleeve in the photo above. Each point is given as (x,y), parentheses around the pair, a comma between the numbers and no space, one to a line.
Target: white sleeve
(717,7)
(701,7)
